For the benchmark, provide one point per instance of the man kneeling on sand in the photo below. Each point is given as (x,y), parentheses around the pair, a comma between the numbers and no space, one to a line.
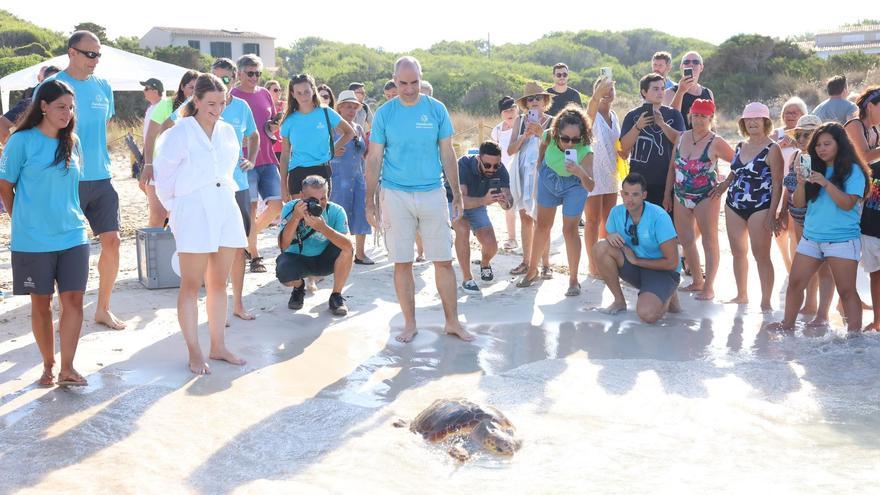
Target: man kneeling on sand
(642,249)
(313,243)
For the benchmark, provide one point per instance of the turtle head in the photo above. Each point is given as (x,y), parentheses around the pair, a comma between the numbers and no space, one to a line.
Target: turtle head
(496,440)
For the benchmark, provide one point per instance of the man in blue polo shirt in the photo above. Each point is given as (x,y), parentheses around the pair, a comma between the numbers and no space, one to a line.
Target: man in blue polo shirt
(97,198)
(642,249)
(411,144)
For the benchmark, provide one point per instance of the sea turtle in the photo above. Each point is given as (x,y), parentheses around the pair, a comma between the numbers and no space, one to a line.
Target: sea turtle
(466,427)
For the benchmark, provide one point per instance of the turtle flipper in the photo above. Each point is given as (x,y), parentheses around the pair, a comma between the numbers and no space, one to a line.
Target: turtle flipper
(459,452)
(400,423)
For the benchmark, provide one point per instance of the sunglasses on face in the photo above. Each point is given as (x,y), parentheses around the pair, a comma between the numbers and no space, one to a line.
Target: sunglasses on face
(276,90)
(87,53)
(534,98)
(804,135)
(253,73)
(562,74)
(491,166)
(691,62)
(325,96)
(572,140)
(633,232)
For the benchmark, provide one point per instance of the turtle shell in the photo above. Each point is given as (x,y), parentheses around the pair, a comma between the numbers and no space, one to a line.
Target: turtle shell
(454,417)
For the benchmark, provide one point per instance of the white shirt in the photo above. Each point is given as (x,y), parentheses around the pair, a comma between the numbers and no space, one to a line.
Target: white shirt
(502,137)
(186,160)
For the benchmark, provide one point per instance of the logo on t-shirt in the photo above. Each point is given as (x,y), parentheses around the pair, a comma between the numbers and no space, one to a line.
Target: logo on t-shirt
(424,123)
(3,159)
(101,102)
(320,125)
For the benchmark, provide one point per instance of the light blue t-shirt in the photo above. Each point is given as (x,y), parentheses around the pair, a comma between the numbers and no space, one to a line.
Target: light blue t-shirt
(411,136)
(827,222)
(316,243)
(46,215)
(309,137)
(94,108)
(238,114)
(654,228)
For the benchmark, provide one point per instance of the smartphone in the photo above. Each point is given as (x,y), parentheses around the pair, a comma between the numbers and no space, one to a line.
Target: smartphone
(495,185)
(277,118)
(648,108)
(534,115)
(688,72)
(806,168)
(605,73)
(571,155)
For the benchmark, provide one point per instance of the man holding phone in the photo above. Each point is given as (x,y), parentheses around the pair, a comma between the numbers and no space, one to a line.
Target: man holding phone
(648,134)
(682,95)
(484,181)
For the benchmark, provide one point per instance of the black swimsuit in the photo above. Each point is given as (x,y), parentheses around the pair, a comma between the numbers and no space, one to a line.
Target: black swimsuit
(751,189)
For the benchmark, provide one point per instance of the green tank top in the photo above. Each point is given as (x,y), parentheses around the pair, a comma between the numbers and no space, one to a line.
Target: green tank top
(555,157)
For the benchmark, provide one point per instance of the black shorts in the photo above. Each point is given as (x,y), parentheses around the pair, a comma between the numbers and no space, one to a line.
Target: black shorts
(100,205)
(243,199)
(661,283)
(290,267)
(295,177)
(36,273)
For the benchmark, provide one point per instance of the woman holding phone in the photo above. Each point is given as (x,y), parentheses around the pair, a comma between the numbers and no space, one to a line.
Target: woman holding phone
(523,150)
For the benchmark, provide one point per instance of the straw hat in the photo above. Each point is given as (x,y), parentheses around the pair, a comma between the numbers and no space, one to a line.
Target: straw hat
(805,123)
(347,96)
(532,89)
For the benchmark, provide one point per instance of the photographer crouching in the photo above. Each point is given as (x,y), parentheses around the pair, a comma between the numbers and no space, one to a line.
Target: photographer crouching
(484,181)
(313,243)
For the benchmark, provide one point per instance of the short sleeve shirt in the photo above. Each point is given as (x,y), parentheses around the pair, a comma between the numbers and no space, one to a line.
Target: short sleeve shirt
(560,100)
(837,110)
(477,183)
(238,115)
(316,243)
(554,157)
(654,228)
(263,108)
(827,222)
(652,151)
(411,136)
(309,136)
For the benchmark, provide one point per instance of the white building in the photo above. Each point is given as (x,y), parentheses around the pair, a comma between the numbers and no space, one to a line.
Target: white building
(865,39)
(214,43)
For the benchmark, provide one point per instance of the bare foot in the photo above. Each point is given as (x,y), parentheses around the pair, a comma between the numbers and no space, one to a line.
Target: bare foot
(872,327)
(227,356)
(818,322)
(778,327)
(312,286)
(406,335)
(614,308)
(71,378)
(198,365)
(459,331)
(694,287)
(809,310)
(47,379)
(707,294)
(244,315)
(109,320)
(738,300)
(766,308)
(674,306)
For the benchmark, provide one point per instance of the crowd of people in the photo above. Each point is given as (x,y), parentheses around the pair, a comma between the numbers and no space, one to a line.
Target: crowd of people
(227,156)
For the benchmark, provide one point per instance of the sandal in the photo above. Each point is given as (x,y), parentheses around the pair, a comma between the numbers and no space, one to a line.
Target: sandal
(546,272)
(75,380)
(524,281)
(365,261)
(520,269)
(257,265)
(574,290)
(510,244)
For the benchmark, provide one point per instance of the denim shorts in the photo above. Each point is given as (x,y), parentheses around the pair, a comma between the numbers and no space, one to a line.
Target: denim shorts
(478,217)
(555,190)
(847,250)
(264,182)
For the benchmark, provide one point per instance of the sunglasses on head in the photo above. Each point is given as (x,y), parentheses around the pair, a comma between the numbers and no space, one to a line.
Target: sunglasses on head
(691,62)
(253,73)
(89,54)
(562,74)
(572,140)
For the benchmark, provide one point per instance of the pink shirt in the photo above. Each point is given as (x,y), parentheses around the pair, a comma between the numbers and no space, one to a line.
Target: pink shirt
(263,108)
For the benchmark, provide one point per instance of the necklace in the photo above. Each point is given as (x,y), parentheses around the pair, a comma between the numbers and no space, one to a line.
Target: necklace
(698,140)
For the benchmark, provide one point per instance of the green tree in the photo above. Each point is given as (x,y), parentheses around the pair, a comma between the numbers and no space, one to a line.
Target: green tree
(183,56)
(95,29)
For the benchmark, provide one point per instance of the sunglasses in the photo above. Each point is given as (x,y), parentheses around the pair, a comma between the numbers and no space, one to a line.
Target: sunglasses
(325,96)
(535,98)
(805,135)
(276,90)
(691,62)
(490,166)
(633,232)
(253,73)
(566,139)
(562,74)
(87,53)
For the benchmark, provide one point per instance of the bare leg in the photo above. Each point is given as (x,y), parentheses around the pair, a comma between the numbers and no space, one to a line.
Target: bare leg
(216,275)
(273,208)
(761,240)
(420,248)
(527,230)
(510,217)
(69,328)
(463,247)
(488,245)
(108,269)
(707,213)
(541,239)
(875,301)
(572,247)
(593,211)
(445,280)
(192,272)
(405,287)
(237,275)
(803,268)
(342,269)
(738,236)
(359,242)
(252,235)
(825,282)
(44,334)
(845,272)
(609,259)
(684,227)
(782,243)
(157,213)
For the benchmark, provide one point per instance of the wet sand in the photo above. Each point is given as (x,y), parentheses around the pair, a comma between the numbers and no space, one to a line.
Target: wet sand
(705,401)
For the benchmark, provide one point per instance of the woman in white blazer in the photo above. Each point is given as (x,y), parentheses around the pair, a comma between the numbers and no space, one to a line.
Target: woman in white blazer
(193,174)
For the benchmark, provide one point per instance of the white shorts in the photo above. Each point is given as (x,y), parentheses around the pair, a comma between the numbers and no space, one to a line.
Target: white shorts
(206,220)
(847,250)
(870,253)
(406,213)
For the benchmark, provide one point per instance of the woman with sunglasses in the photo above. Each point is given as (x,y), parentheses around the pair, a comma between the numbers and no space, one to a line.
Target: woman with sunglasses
(565,178)
(326,96)
(307,133)
(40,172)
(831,193)
(275,91)
(682,95)
(523,150)
(793,109)
(864,135)
(820,288)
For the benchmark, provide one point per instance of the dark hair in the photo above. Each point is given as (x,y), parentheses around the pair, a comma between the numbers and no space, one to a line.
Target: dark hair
(50,91)
(870,95)
(355,85)
(560,65)
(571,115)
(836,85)
(645,82)
(663,56)
(205,83)
(332,102)
(636,178)
(78,36)
(50,70)
(844,163)
(292,104)
(390,85)
(179,97)
(224,63)
(490,148)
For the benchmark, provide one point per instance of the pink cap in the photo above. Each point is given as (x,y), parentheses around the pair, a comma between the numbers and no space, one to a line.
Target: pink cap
(755,110)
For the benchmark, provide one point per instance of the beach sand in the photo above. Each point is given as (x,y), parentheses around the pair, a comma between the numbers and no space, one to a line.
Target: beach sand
(704,401)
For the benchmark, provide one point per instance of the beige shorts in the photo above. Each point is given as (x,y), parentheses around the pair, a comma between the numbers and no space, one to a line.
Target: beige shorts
(406,213)
(870,253)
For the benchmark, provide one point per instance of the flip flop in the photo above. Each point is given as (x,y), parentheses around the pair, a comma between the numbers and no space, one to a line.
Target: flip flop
(520,269)
(365,261)
(72,382)
(574,290)
(524,282)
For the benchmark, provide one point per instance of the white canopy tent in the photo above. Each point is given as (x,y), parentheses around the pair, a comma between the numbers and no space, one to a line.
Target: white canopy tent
(122,69)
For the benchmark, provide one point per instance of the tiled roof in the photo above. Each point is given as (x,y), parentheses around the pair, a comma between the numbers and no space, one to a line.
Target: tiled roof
(848,48)
(219,33)
(853,29)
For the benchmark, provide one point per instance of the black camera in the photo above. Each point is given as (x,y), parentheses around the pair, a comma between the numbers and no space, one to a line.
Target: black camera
(313,206)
